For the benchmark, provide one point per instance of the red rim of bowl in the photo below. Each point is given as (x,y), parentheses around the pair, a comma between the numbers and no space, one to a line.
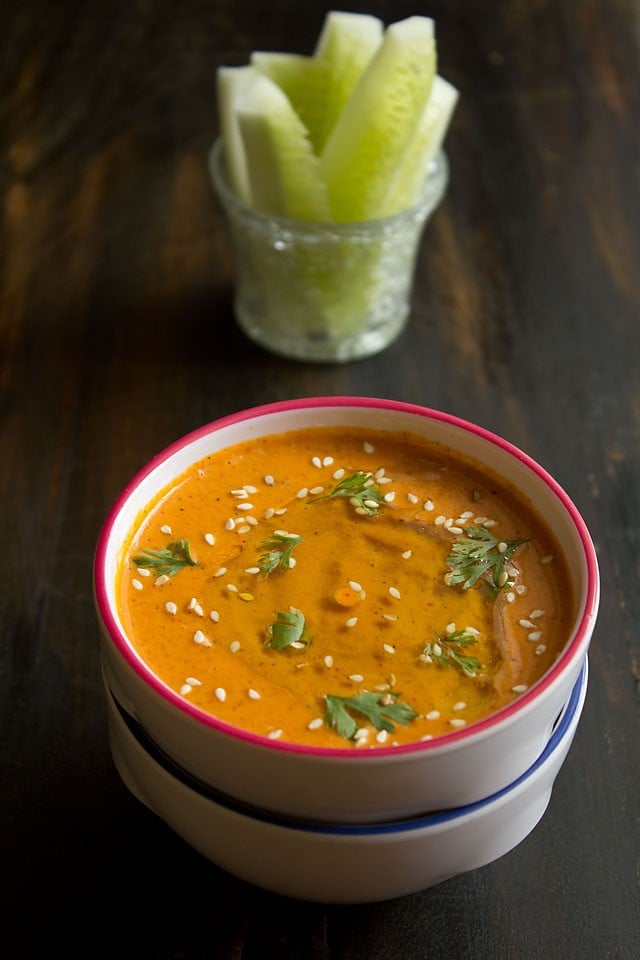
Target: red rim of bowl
(474,731)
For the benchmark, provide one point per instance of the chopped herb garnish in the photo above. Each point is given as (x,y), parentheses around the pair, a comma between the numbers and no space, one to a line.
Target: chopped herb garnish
(379,709)
(278,549)
(288,630)
(446,651)
(166,562)
(360,489)
(478,555)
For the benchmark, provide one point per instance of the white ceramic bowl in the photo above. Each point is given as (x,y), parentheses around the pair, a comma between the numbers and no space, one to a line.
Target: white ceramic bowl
(345,785)
(334,863)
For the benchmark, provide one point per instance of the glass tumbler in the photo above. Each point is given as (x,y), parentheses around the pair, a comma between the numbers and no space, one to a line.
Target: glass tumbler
(324,292)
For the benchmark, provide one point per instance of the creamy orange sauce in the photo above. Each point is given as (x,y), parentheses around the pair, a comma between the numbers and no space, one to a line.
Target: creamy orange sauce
(374,589)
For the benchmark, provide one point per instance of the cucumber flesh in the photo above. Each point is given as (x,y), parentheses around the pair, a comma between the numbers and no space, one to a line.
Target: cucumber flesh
(230,83)
(409,179)
(346,44)
(283,170)
(305,81)
(377,125)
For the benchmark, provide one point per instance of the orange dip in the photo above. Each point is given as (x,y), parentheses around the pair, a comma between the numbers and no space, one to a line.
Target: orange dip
(362,590)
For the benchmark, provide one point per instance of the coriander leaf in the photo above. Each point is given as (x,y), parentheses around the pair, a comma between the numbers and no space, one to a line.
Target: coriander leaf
(361,491)
(289,629)
(277,551)
(478,555)
(166,562)
(379,710)
(446,650)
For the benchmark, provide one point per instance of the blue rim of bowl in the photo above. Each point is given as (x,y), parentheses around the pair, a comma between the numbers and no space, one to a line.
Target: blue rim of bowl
(560,730)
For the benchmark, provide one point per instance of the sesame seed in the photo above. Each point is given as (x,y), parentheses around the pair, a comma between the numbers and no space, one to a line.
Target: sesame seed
(351,622)
(389,616)
(143,572)
(185,689)
(200,639)
(454,529)
(394,592)
(466,515)
(511,597)
(230,524)
(381,736)
(519,688)
(165,528)
(489,523)
(243,529)
(388,648)
(355,585)
(526,623)
(234,646)
(502,547)
(269,512)
(460,705)
(171,607)
(368,447)
(540,649)
(198,610)
(520,589)
(356,677)
(547,559)
(292,562)
(316,490)
(437,650)
(327,461)
(480,520)
(241,494)
(428,505)
(389,497)
(432,715)
(372,504)
(253,694)
(232,587)
(220,572)
(209,537)
(411,497)
(535,614)
(194,681)
(381,687)
(448,522)
(338,474)
(316,461)
(252,569)
(328,660)
(450,628)
(268,479)
(274,734)
(250,489)
(427,736)
(315,724)
(439,520)
(136,583)
(472,631)
(361,734)
(534,636)
(379,473)
(214,615)
(407,554)
(457,722)
(221,694)
(361,511)
(245,506)
(302,493)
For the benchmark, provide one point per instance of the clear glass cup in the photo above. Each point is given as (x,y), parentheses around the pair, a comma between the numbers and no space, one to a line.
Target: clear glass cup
(324,292)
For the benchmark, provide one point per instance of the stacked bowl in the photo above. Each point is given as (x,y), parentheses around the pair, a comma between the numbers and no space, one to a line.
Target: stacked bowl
(345,825)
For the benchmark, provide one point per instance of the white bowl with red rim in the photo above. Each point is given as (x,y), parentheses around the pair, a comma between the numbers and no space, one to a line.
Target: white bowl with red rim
(343,785)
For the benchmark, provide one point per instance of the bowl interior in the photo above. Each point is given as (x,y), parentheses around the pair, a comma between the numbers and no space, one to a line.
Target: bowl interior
(544,493)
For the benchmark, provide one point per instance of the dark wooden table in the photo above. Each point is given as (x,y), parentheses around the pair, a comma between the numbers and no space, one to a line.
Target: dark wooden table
(117,336)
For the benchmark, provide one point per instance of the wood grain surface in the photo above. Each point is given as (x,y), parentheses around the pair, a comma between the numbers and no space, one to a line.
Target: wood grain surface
(117,336)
